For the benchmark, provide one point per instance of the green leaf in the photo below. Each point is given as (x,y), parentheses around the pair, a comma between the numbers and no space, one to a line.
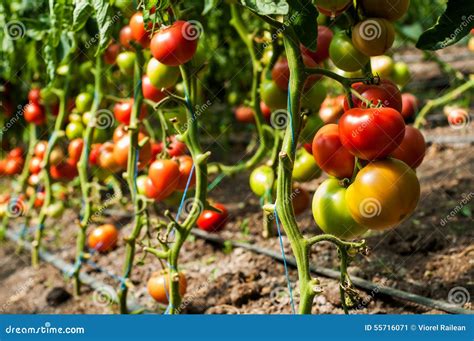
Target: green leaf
(104,21)
(82,12)
(267,7)
(208,5)
(303,18)
(454,24)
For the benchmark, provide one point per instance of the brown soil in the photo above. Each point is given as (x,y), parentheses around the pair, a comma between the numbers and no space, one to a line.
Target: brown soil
(424,255)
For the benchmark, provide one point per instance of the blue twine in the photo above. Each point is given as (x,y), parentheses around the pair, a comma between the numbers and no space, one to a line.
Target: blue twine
(284,262)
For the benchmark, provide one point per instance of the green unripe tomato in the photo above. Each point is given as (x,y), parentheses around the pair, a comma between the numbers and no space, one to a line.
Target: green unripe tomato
(75,118)
(100,135)
(331,213)
(272,95)
(86,118)
(382,65)
(161,75)
(261,180)
(83,102)
(314,96)
(305,168)
(344,54)
(48,97)
(125,62)
(55,210)
(74,130)
(401,74)
(141,184)
(312,125)
(62,70)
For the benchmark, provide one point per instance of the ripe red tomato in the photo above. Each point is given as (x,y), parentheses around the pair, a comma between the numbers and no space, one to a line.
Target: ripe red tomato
(75,149)
(156,148)
(39,199)
(3,163)
(111,53)
(14,165)
(106,159)
(176,44)
(329,153)
(151,191)
(281,72)
(266,111)
(175,147)
(103,238)
(185,167)
(34,113)
(139,33)
(331,109)
(158,286)
(386,92)
(332,8)
(63,171)
(212,221)
(16,152)
(244,114)
(126,37)
(373,36)
(35,165)
(371,133)
(123,111)
(94,154)
(150,91)
(40,149)
(412,149)
(322,51)
(34,96)
(409,106)
(165,177)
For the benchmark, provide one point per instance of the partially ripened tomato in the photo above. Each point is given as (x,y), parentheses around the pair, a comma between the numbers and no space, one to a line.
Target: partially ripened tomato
(158,286)
(56,156)
(322,50)
(383,194)
(373,36)
(344,54)
(329,153)
(137,26)
(305,168)
(150,91)
(176,44)
(331,212)
(385,93)
(212,221)
(185,168)
(371,133)
(161,75)
(382,66)
(151,191)
(412,149)
(165,177)
(106,159)
(122,147)
(74,149)
(126,37)
(103,238)
(126,61)
(331,109)
(388,9)
(34,113)
(409,106)
(261,180)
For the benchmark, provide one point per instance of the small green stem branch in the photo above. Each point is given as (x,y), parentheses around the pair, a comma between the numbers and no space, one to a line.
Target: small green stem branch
(84,176)
(46,176)
(139,204)
(448,97)
(248,40)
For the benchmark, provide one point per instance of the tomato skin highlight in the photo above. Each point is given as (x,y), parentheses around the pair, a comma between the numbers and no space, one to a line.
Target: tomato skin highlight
(261,180)
(371,133)
(329,153)
(331,213)
(164,175)
(383,194)
(103,238)
(211,221)
(34,113)
(176,44)
(412,149)
(137,26)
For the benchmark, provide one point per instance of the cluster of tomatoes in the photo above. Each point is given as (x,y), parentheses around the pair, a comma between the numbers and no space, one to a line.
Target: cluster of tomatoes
(13,163)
